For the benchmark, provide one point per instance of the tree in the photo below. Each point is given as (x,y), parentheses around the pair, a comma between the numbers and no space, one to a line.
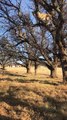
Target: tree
(19,22)
(23,57)
(6,52)
(40,41)
(56,10)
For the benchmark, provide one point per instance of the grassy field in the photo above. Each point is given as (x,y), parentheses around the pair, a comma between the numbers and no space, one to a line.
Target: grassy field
(32,97)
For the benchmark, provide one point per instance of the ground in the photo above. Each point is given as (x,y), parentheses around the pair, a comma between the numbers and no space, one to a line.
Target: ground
(32,97)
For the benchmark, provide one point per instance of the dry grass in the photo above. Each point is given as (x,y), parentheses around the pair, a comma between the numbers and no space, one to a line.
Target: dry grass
(32,97)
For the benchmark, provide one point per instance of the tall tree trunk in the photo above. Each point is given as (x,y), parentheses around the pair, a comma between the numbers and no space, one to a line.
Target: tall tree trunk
(53,73)
(53,70)
(28,66)
(3,67)
(54,67)
(64,68)
(63,60)
(28,69)
(35,67)
(62,46)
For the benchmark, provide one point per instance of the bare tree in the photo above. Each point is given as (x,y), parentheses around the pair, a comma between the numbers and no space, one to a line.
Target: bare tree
(51,25)
(19,23)
(7,52)
(56,10)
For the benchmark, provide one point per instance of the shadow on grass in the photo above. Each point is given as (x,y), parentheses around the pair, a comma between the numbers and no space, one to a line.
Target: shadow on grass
(8,79)
(28,81)
(2,117)
(11,74)
(40,81)
(47,113)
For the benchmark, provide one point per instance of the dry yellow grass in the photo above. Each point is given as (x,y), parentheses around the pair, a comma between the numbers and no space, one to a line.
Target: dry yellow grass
(42,73)
(32,97)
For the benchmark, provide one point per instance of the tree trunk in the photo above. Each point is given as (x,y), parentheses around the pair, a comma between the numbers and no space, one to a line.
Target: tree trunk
(64,68)
(28,69)
(63,60)
(28,66)
(62,48)
(35,71)
(54,67)
(35,67)
(3,67)
(54,72)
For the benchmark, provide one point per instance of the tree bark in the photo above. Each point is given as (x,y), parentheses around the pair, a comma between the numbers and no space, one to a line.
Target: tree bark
(63,60)
(64,68)
(62,47)
(54,67)
(53,73)
(28,70)
(35,67)
(28,65)
(3,67)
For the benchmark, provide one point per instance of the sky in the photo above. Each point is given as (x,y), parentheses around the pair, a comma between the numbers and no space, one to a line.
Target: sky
(25,8)
(25,5)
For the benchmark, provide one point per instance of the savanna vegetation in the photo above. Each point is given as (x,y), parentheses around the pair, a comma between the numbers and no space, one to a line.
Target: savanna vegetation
(33,60)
